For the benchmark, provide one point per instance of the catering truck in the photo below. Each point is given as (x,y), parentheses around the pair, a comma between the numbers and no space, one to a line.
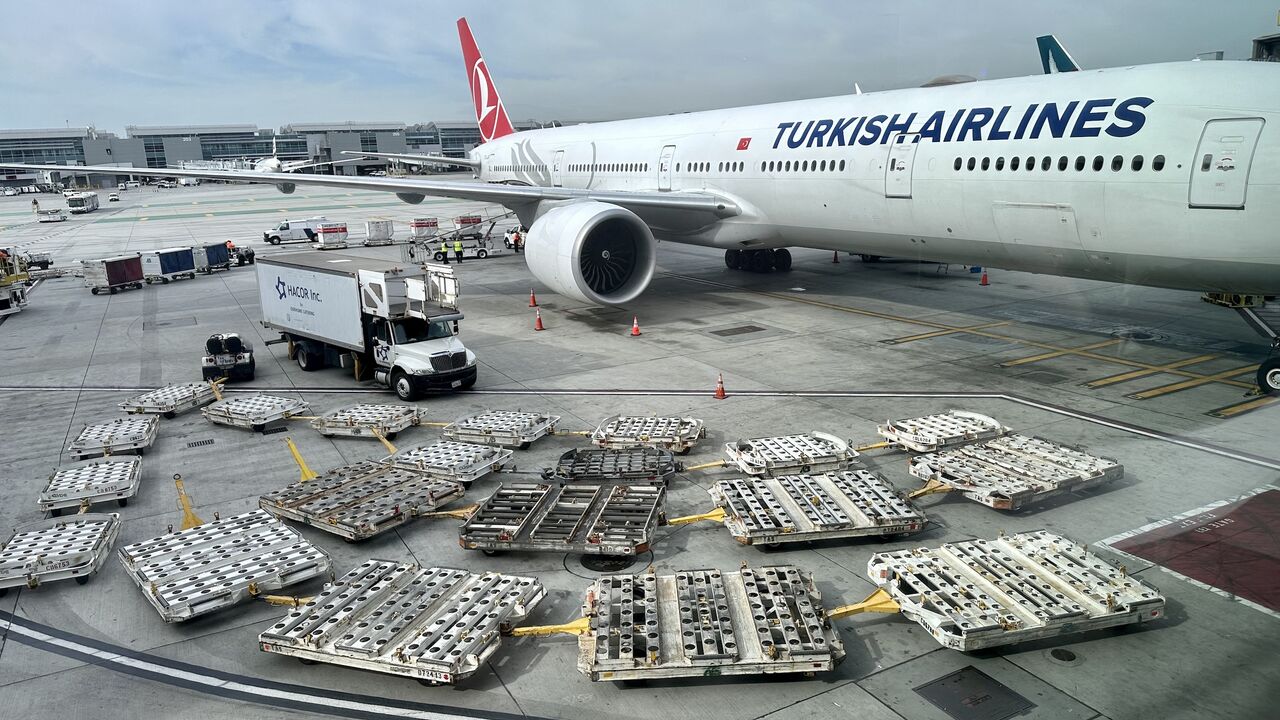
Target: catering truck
(393,322)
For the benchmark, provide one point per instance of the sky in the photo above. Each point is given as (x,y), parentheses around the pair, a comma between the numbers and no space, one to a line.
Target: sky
(275,62)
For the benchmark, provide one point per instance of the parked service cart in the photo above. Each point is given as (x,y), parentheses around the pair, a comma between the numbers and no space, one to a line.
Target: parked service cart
(56,549)
(366,419)
(472,247)
(254,412)
(113,274)
(213,256)
(170,400)
(379,231)
(39,259)
(677,434)
(113,438)
(331,236)
(51,216)
(454,461)
(92,482)
(168,264)
(790,454)
(588,518)
(638,465)
(228,356)
(389,320)
(930,433)
(294,231)
(508,428)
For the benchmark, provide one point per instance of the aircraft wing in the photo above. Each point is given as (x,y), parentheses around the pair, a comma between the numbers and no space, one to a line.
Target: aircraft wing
(1053,56)
(417,159)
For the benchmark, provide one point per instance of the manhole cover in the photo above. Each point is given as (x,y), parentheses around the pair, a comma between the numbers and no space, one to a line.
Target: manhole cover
(740,330)
(1063,656)
(970,694)
(1138,335)
(607,563)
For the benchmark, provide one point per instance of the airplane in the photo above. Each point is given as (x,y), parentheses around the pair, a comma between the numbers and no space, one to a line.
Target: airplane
(1165,175)
(412,159)
(273,163)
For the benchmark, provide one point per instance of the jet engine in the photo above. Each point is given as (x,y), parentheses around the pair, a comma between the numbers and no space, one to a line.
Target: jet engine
(286,188)
(592,251)
(411,198)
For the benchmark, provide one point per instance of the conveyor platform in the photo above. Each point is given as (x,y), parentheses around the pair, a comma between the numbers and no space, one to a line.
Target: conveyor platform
(454,461)
(365,419)
(254,412)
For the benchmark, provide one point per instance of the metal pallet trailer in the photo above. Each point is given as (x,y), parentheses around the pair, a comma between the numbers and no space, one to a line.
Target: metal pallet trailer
(56,549)
(591,519)
(985,593)
(220,564)
(170,400)
(112,438)
(437,625)
(95,481)
(930,433)
(367,419)
(508,428)
(453,461)
(790,454)
(1012,471)
(254,412)
(358,501)
(637,465)
(677,434)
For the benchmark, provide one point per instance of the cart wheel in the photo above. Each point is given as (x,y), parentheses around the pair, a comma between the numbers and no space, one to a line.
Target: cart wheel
(525,445)
(164,281)
(115,290)
(168,414)
(93,290)
(391,436)
(308,661)
(139,452)
(686,451)
(55,512)
(257,428)
(82,579)
(772,546)
(122,502)
(490,552)
(430,683)
(150,280)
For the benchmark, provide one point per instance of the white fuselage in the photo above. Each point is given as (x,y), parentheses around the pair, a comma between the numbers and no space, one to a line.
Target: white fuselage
(1172,173)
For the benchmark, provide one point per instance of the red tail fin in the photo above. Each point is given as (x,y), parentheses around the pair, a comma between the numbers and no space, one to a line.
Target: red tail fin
(490,114)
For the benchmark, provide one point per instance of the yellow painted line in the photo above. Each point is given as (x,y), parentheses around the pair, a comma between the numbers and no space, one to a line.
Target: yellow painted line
(1135,374)
(1059,353)
(1193,382)
(939,333)
(1244,407)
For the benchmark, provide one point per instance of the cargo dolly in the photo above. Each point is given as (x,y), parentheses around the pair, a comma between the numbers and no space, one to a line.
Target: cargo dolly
(1012,471)
(368,420)
(507,428)
(590,518)
(804,508)
(453,461)
(980,593)
(254,412)
(790,454)
(112,438)
(437,625)
(677,434)
(636,465)
(95,481)
(56,549)
(170,400)
(930,433)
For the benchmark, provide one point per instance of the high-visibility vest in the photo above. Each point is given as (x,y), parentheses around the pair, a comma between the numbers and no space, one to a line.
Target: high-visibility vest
(444,247)
(457,246)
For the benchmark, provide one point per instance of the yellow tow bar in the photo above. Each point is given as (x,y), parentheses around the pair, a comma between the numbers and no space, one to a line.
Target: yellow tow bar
(707,466)
(717,515)
(932,487)
(879,602)
(873,446)
(391,449)
(307,472)
(581,626)
(189,517)
(461,513)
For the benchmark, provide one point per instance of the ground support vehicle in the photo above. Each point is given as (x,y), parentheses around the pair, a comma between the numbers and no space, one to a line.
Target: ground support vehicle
(14,277)
(698,623)
(358,501)
(39,259)
(586,518)
(213,256)
(638,465)
(112,438)
(447,622)
(366,419)
(790,454)
(170,400)
(86,484)
(473,247)
(168,264)
(228,356)
(1012,471)
(383,319)
(677,434)
(454,461)
(82,202)
(113,274)
(378,232)
(802,508)
(53,215)
(294,231)
(56,549)
(508,428)
(978,594)
(331,236)
(241,255)
(930,433)
(254,412)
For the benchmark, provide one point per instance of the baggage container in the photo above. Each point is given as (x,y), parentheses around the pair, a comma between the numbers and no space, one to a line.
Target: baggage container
(378,232)
(113,274)
(331,236)
(424,228)
(214,256)
(168,264)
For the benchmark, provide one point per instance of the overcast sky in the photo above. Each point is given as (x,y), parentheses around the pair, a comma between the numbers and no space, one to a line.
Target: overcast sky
(273,62)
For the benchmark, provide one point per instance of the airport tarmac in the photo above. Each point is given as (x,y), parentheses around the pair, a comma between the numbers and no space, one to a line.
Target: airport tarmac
(836,347)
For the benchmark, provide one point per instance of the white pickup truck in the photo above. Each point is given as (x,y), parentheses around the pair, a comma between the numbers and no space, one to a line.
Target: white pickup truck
(295,231)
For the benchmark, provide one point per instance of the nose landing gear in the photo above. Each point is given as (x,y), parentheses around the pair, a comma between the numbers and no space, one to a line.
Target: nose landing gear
(1264,321)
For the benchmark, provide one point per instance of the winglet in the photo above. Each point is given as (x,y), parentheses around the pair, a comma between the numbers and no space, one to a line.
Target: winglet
(490,114)
(1054,57)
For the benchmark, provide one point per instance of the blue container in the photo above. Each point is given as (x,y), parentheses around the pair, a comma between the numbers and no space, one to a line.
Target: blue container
(178,260)
(217,254)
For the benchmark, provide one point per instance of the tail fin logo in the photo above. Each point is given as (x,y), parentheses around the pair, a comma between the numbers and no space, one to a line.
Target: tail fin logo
(490,114)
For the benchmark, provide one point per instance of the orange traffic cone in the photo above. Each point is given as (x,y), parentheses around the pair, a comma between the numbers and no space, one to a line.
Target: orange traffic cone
(835,257)
(984,282)
(635,326)
(537,323)
(720,393)
(533,299)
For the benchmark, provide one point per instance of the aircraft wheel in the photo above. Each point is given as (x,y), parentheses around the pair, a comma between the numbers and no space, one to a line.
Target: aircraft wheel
(782,260)
(869,258)
(733,259)
(761,261)
(1269,376)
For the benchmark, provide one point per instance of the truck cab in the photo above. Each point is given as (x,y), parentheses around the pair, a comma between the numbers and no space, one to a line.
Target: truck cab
(420,354)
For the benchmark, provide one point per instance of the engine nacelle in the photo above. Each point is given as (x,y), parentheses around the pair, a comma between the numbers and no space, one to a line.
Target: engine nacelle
(286,188)
(592,251)
(411,198)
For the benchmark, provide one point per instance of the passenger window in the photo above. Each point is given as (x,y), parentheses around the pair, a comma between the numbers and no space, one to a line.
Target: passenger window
(841,166)
(999,163)
(787,166)
(986,163)
(1062,163)
(1097,163)
(1205,162)
(971,164)
(1079,163)
(1031,163)
(1136,163)
(1117,164)
(1046,162)
(1013,162)
(1157,163)
(959,163)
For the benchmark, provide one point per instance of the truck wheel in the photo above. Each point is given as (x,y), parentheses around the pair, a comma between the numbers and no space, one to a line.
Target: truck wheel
(273,240)
(467,384)
(482,254)
(308,359)
(402,384)
(1269,376)
(440,257)
(761,261)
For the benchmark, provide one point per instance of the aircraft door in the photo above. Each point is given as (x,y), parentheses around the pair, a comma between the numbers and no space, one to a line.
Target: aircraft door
(664,167)
(557,167)
(899,165)
(1220,173)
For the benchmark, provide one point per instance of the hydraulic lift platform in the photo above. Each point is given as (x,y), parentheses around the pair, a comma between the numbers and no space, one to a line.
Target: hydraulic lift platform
(112,438)
(368,420)
(222,563)
(438,625)
(507,428)
(1012,471)
(254,412)
(931,433)
(453,461)
(790,455)
(677,434)
(636,465)
(170,400)
(358,501)
(92,482)
(587,518)
(978,594)
(56,549)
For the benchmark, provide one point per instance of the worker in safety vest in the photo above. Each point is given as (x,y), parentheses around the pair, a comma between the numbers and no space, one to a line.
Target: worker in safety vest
(457,249)
(517,240)
(444,251)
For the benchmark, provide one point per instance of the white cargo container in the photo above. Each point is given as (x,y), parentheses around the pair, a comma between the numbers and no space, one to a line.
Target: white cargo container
(378,232)
(331,236)
(424,228)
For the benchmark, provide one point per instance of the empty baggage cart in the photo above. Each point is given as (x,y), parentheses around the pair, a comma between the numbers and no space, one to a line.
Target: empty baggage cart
(254,412)
(790,454)
(508,428)
(170,399)
(552,517)
(92,482)
(365,419)
(677,434)
(929,433)
(458,462)
(56,549)
(643,465)
(112,438)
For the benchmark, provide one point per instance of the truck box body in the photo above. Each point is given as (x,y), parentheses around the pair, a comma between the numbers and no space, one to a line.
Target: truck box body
(113,271)
(168,262)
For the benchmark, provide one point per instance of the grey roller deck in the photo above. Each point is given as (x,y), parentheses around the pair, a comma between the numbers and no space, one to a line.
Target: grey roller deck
(677,434)
(170,400)
(790,454)
(929,433)
(362,420)
(551,517)
(454,461)
(361,500)
(254,412)
(213,566)
(705,623)
(94,481)
(640,465)
(56,549)
(112,438)
(984,593)
(507,428)
(438,625)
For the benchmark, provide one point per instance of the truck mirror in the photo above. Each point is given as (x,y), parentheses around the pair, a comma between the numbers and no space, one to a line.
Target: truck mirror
(455,327)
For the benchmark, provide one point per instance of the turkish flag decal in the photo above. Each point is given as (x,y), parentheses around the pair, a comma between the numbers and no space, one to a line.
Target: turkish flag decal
(744,143)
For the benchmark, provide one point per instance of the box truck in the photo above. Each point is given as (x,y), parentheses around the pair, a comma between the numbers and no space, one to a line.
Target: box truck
(393,322)
(168,264)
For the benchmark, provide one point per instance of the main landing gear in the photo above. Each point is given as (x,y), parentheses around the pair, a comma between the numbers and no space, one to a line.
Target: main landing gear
(761,261)
(1264,321)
